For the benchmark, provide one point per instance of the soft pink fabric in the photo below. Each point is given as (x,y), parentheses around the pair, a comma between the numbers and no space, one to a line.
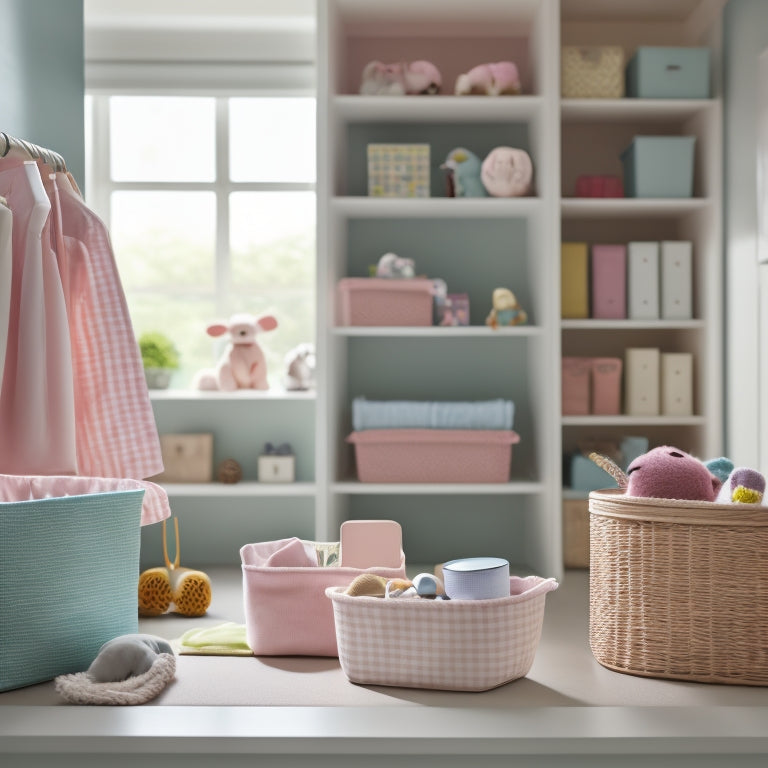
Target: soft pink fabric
(669,473)
(288,552)
(286,610)
(117,431)
(37,399)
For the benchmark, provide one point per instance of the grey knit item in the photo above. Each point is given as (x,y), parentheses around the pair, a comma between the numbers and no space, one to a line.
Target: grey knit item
(81,689)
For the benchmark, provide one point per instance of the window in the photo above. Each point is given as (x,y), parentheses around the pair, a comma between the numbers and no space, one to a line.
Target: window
(210,203)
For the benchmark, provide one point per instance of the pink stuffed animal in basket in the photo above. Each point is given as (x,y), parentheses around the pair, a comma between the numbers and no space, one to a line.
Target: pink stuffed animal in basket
(400,79)
(243,365)
(496,79)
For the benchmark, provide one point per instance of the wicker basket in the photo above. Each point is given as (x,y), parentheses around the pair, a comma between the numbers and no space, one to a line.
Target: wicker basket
(679,589)
(590,72)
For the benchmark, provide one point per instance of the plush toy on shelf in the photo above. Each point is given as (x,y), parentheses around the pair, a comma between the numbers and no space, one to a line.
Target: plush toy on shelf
(507,172)
(300,365)
(394,266)
(506,310)
(500,78)
(400,79)
(243,365)
(463,169)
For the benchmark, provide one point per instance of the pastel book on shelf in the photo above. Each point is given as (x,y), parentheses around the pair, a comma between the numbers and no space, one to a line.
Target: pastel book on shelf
(643,280)
(574,280)
(576,383)
(676,280)
(677,384)
(609,282)
(606,386)
(641,381)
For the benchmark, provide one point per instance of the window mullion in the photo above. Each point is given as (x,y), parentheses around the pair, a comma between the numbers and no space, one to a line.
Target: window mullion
(223,260)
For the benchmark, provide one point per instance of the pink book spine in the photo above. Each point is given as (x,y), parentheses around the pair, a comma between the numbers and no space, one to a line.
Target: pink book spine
(609,282)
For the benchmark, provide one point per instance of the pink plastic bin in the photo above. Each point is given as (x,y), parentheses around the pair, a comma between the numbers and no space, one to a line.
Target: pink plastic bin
(385,301)
(433,455)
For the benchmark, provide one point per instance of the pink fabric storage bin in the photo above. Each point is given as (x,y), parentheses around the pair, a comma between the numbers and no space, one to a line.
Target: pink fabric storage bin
(599,186)
(433,455)
(286,611)
(455,645)
(385,301)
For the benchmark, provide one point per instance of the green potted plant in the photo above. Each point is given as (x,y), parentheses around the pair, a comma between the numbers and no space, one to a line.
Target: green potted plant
(159,357)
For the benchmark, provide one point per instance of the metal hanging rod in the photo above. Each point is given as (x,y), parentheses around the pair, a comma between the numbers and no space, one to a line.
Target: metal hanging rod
(33,151)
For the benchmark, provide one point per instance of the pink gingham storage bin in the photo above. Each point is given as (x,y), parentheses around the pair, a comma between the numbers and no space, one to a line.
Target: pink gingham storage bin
(453,645)
(286,611)
(385,301)
(433,455)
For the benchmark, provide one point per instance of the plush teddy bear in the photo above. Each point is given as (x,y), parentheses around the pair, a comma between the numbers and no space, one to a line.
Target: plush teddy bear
(243,365)
(400,79)
(494,79)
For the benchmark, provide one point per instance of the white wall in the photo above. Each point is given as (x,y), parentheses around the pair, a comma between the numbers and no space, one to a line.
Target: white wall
(745,37)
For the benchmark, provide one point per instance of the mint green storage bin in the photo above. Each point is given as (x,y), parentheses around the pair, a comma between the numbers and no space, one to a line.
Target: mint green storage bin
(69,570)
(659,166)
(665,72)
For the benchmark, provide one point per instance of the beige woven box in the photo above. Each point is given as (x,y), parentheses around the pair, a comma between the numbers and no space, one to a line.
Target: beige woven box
(187,458)
(576,533)
(679,589)
(592,72)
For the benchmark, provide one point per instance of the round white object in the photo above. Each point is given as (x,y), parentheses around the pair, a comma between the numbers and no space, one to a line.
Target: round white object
(476,578)
(507,172)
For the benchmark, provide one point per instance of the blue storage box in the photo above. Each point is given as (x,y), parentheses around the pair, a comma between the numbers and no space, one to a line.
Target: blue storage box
(69,570)
(661,72)
(659,166)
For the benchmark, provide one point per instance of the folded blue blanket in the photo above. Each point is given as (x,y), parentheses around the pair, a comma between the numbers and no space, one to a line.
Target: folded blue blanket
(416,414)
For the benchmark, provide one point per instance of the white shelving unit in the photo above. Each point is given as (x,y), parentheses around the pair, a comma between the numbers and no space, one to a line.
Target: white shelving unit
(520,519)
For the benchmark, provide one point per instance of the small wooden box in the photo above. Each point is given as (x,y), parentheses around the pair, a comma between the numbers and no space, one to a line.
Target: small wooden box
(187,458)
(276,469)
(576,533)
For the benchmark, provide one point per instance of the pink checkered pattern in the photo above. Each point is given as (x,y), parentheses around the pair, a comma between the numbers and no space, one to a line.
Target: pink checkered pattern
(457,645)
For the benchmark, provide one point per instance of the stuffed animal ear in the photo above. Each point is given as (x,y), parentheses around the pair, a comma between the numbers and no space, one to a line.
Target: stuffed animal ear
(217,329)
(717,484)
(267,322)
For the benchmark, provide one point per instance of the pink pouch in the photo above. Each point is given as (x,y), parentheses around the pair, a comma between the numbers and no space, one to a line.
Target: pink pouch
(286,610)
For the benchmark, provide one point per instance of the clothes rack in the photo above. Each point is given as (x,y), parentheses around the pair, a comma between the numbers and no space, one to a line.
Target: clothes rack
(33,151)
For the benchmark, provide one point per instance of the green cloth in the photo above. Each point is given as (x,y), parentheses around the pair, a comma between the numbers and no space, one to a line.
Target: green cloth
(226,639)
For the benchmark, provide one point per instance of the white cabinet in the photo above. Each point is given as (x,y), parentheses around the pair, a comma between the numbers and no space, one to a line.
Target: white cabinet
(477,245)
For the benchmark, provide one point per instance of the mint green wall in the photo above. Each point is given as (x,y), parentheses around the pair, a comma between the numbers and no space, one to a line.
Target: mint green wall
(41,66)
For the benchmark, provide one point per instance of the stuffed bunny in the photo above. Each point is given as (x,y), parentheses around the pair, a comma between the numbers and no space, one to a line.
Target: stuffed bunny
(406,78)
(495,79)
(243,365)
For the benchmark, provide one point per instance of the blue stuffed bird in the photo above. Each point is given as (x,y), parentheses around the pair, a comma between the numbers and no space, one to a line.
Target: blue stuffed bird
(464,172)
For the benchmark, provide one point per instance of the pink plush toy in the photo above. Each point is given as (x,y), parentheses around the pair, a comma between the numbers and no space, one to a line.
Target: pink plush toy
(242,366)
(499,79)
(400,79)
(669,473)
(507,172)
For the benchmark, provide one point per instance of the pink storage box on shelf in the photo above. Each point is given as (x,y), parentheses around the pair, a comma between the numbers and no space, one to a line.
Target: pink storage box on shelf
(461,645)
(385,301)
(433,455)
(599,186)
(286,611)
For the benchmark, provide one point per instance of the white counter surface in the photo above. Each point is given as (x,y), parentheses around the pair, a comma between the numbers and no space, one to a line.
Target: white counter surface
(569,710)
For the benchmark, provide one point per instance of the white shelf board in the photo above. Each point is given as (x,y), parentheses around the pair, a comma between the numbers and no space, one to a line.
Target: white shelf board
(452,109)
(229,490)
(431,332)
(239,394)
(631,207)
(626,420)
(629,325)
(515,487)
(436,207)
(632,110)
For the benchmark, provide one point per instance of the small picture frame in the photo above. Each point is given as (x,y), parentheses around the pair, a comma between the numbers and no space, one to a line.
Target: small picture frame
(454,311)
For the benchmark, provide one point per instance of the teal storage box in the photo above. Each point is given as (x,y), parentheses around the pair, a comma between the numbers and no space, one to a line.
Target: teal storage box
(661,72)
(69,570)
(659,166)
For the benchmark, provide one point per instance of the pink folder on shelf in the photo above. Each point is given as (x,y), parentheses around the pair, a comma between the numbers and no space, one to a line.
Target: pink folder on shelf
(609,282)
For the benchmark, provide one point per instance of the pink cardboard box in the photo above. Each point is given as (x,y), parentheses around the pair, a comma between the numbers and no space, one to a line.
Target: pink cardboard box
(576,381)
(433,455)
(385,301)
(609,282)
(606,386)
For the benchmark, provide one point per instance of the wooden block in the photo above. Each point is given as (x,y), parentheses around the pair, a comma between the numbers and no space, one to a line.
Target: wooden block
(641,380)
(576,533)
(643,281)
(574,280)
(187,458)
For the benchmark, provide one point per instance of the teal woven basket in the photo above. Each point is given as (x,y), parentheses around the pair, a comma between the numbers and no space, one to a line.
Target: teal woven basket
(69,570)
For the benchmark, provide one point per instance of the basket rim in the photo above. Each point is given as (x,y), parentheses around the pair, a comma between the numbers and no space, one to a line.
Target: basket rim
(613,502)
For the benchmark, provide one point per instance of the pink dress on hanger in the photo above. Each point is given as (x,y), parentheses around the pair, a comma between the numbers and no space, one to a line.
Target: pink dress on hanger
(6,272)
(37,398)
(115,418)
